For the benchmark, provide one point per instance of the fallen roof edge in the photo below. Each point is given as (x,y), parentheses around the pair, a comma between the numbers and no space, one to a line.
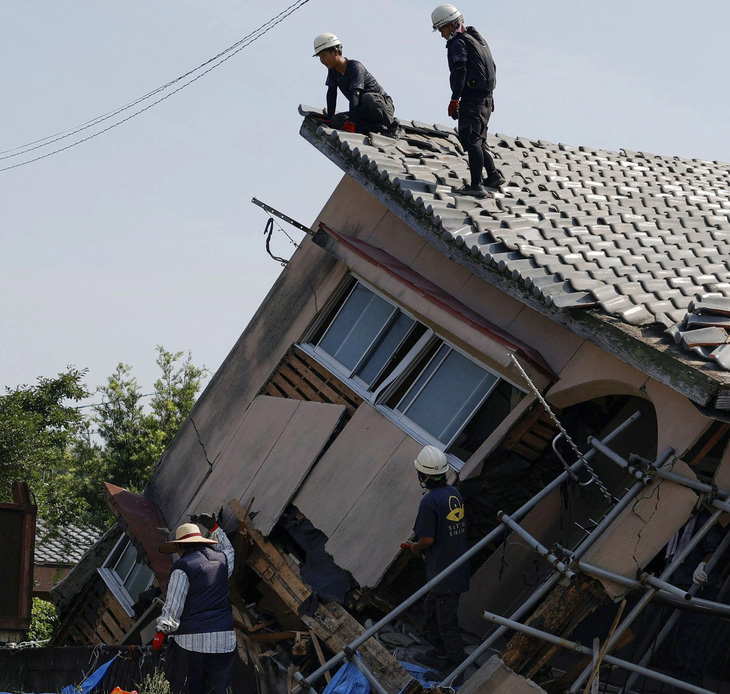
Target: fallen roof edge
(608,334)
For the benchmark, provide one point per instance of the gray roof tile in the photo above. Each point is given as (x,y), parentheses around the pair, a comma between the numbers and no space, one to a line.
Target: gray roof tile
(632,234)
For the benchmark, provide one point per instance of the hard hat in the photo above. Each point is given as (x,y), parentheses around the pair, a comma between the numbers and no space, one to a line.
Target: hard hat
(443,15)
(325,41)
(431,461)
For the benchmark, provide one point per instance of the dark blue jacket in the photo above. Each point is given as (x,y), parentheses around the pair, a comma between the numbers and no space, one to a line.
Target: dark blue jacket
(207,607)
(472,69)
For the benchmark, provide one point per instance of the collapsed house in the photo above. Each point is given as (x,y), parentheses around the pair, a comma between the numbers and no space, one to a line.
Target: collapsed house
(564,341)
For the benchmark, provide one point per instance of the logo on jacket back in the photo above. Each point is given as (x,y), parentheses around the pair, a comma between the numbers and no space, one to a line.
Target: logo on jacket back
(456,509)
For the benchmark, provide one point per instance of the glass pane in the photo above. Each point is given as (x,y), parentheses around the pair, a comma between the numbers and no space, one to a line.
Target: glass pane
(356,326)
(137,580)
(428,371)
(125,562)
(500,402)
(448,399)
(388,344)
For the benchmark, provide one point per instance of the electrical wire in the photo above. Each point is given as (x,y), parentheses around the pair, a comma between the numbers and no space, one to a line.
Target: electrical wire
(221,58)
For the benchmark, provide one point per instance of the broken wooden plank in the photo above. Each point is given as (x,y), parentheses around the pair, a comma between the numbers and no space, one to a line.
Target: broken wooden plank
(331,622)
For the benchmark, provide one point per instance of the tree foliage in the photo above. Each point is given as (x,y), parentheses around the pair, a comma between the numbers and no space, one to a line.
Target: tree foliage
(38,425)
(66,455)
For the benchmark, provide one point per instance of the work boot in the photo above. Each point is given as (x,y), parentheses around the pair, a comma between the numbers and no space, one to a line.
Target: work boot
(395,131)
(494,180)
(433,658)
(476,191)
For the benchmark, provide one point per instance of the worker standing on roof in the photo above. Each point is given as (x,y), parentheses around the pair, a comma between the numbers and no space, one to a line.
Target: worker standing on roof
(473,79)
(371,109)
(441,529)
(197,613)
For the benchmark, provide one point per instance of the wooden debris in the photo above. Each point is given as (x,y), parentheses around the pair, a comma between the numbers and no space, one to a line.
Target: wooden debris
(329,622)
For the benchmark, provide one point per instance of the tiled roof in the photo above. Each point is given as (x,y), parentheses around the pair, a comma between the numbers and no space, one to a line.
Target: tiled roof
(67,549)
(632,235)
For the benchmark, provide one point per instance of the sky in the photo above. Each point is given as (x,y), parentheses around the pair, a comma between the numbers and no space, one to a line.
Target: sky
(145,235)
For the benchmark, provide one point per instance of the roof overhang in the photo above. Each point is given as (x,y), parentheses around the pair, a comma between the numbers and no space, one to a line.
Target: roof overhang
(641,347)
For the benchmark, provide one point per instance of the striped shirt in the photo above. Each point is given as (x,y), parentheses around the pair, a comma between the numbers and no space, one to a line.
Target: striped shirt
(177,591)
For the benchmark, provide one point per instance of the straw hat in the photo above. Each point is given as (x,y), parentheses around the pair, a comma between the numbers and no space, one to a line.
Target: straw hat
(187,533)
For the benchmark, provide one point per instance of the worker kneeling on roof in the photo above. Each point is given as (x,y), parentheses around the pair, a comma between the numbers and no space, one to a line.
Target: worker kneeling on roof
(197,613)
(441,529)
(371,109)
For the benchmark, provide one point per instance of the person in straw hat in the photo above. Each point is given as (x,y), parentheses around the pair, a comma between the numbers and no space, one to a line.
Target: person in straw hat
(197,613)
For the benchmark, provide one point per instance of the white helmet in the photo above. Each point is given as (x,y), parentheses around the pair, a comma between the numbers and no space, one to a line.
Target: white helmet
(443,15)
(431,461)
(325,41)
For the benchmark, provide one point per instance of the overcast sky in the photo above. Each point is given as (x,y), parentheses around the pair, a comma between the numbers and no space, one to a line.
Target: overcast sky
(145,235)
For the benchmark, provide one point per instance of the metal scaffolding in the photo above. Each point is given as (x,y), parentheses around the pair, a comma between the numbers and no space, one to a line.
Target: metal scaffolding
(567,564)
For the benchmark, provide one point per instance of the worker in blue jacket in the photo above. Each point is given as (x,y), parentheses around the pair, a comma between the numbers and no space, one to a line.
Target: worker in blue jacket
(371,110)
(441,531)
(473,77)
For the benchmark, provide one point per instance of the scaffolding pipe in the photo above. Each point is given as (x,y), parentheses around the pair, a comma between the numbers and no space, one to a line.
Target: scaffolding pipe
(550,582)
(577,648)
(537,546)
(644,600)
(377,687)
(662,635)
(306,682)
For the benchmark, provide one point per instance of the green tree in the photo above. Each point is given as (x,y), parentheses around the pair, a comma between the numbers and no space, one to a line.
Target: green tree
(132,440)
(38,425)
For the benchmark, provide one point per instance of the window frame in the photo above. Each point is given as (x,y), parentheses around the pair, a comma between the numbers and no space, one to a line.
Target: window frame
(114,580)
(402,370)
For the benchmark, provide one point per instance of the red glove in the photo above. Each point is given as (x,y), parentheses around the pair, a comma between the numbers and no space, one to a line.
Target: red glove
(158,641)
(454,108)
(405,545)
(349,126)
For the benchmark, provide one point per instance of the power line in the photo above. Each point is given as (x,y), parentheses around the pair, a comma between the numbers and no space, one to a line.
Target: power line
(221,58)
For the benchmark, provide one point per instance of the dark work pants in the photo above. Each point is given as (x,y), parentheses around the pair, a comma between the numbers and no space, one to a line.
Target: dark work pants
(474,114)
(374,114)
(441,612)
(189,672)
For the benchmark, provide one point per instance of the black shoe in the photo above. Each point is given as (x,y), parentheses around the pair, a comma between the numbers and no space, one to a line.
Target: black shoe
(395,131)
(441,675)
(475,191)
(494,180)
(433,658)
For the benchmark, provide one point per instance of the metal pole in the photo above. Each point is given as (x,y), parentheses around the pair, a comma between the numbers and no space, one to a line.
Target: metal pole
(366,672)
(535,544)
(485,541)
(644,600)
(553,580)
(577,648)
(714,559)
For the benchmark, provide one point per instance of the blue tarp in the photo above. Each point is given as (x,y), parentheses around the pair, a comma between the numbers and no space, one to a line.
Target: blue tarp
(89,683)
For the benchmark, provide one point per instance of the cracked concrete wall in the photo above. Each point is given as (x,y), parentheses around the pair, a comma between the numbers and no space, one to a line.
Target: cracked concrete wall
(643,529)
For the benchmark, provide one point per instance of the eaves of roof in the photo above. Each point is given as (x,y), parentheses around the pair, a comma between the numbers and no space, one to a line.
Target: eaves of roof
(614,246)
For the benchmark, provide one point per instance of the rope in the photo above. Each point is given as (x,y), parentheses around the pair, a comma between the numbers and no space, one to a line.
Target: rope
(557,423)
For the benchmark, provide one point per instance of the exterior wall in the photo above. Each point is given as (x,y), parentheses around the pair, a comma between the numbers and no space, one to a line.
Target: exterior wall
(359,510)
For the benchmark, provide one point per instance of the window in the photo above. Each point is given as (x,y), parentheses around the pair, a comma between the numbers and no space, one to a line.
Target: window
(413,376)
(125,574)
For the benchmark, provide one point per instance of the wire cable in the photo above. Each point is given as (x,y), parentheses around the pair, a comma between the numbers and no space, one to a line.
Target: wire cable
(221,58)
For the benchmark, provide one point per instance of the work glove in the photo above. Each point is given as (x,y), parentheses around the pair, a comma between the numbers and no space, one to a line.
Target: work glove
(699,577)
(158,641)
(208,520)
(454,108)
(349,126)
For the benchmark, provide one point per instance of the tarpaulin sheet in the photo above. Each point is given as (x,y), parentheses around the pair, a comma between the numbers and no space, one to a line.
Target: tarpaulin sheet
(89,683)
(349,680)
